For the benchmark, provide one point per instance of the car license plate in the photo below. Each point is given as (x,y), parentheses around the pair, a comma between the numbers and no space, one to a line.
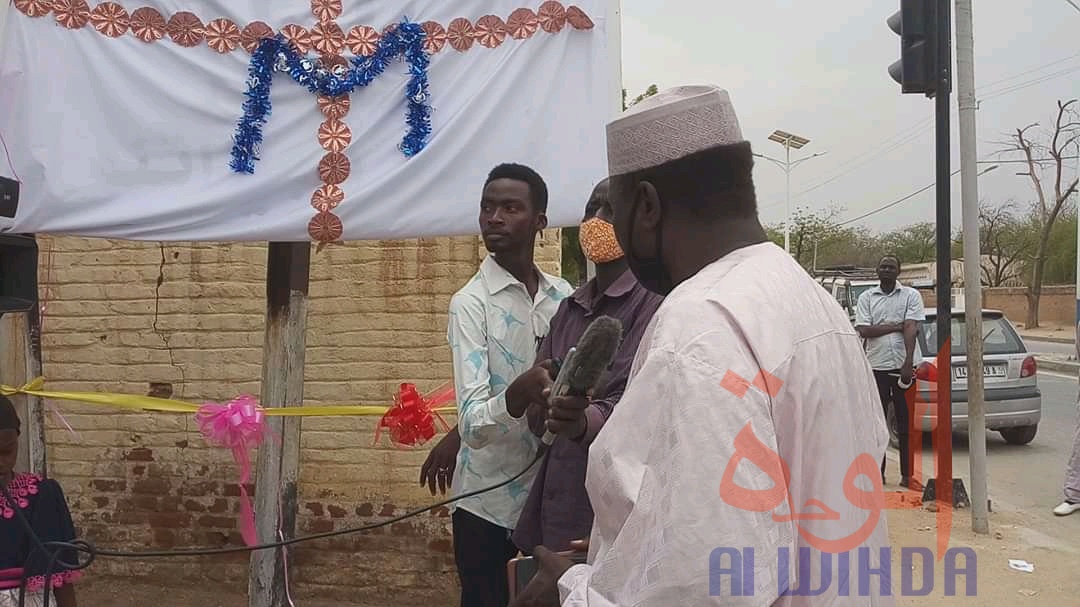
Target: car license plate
(988,371)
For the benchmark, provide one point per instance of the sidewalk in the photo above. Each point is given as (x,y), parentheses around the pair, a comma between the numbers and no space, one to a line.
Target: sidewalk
(1055,334)
(1056,558)
(1054,580)
(1058,363)
(1058,334)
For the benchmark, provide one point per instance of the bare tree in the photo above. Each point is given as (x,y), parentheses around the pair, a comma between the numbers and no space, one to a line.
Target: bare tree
(1005,243)
(1043,157)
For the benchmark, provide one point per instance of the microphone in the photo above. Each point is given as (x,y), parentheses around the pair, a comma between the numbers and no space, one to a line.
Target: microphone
(586,362)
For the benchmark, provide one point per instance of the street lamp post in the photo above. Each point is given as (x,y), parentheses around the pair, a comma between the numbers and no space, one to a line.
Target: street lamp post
(789,141)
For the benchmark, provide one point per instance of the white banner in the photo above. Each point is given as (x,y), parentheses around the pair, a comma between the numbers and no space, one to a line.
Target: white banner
(121,120)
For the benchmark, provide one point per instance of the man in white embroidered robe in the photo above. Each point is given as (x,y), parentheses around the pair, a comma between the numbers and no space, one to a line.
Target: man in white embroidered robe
(751,423)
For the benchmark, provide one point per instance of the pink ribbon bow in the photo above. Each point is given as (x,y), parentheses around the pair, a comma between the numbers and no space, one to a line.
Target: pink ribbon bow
(239,425)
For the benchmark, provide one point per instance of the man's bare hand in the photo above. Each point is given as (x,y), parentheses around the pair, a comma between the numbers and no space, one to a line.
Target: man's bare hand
(566,415)
(543,589)
(528,388)
(440,463)
(906,372)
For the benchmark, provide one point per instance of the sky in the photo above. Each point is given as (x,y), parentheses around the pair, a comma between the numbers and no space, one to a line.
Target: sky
(819,69)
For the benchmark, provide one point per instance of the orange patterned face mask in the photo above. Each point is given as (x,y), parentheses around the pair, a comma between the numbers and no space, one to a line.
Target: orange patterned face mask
(598,242)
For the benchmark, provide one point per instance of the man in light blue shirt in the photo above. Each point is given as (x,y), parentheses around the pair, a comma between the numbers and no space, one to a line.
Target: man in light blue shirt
(887,318)
(497,321)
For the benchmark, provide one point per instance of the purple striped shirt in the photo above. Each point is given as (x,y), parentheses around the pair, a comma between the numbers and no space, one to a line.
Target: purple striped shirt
(557,510)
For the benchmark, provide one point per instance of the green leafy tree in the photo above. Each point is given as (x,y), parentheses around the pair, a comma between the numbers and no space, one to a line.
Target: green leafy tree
(573,259)
(916,243)
(1060,255)
(1009,240)
(818,240)
(649,92)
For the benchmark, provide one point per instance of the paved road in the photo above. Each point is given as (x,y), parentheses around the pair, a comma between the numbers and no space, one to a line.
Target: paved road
(1028,477)
(1050,347)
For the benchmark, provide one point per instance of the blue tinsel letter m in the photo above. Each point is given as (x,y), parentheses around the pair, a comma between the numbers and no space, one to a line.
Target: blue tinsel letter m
(277,55)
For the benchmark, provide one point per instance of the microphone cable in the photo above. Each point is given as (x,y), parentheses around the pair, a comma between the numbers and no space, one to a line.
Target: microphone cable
(85,547)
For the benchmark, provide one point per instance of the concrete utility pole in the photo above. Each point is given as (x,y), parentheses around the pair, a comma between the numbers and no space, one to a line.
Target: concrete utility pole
(969,181)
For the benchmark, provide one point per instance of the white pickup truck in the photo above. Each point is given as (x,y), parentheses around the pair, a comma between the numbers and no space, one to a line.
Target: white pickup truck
(846,290)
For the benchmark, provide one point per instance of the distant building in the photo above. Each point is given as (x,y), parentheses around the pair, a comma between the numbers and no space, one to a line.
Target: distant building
(927,272)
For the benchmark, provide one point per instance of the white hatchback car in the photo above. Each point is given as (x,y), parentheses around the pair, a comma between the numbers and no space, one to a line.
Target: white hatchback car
(1011,387)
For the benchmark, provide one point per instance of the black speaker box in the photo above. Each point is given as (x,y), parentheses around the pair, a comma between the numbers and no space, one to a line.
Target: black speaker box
(9,197)
(18,273)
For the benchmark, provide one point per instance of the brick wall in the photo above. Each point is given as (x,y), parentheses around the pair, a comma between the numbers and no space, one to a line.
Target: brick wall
(121,316)
(1057,305)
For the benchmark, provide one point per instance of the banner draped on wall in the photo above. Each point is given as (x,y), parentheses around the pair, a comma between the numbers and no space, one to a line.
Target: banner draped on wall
(159,122)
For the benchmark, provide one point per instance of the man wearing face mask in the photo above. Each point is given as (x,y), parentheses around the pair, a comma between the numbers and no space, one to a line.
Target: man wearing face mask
(745,452)
(557,510)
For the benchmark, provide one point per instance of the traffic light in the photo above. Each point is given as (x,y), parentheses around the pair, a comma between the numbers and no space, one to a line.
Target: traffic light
(916,24)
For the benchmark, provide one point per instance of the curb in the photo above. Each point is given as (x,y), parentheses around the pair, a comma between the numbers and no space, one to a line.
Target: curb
(1047,339)
(1058,366)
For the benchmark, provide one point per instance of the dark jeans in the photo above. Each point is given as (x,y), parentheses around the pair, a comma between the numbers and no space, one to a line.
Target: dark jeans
(890,392)
(482,549)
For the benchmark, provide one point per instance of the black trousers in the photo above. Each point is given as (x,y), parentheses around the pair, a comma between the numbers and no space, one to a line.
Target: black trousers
(892,393)
(482,549)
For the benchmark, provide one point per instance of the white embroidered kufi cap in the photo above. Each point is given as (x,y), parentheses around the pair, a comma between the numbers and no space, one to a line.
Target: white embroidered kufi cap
(670,125)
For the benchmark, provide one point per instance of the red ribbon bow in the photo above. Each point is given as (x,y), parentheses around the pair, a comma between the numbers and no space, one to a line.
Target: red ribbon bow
(411,421)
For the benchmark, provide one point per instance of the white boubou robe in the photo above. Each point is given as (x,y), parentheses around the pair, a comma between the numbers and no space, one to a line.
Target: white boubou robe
(751,359)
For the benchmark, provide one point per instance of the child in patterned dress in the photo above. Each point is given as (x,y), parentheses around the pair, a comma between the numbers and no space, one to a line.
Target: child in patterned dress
(41,502)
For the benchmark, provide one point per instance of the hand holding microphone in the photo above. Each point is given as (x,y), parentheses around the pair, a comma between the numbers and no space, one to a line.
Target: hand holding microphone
(529,389)
(579,375)
(566,417)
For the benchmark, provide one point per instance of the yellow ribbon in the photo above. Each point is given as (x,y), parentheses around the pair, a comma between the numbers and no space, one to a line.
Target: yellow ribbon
(135,402)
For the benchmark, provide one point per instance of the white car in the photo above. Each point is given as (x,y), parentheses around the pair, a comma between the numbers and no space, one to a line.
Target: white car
(1011,386)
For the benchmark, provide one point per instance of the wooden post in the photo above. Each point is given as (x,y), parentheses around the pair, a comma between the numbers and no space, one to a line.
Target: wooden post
(287,277)
(20,361)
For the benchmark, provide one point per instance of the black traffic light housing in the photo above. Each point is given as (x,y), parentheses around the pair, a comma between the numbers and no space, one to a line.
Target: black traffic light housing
(18,273)
(919,67)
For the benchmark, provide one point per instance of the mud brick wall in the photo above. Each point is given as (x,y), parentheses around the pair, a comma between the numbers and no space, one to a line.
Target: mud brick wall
(186,321)
(1057,305)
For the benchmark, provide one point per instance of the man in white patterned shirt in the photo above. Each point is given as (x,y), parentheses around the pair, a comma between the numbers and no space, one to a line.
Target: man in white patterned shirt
(497,321)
